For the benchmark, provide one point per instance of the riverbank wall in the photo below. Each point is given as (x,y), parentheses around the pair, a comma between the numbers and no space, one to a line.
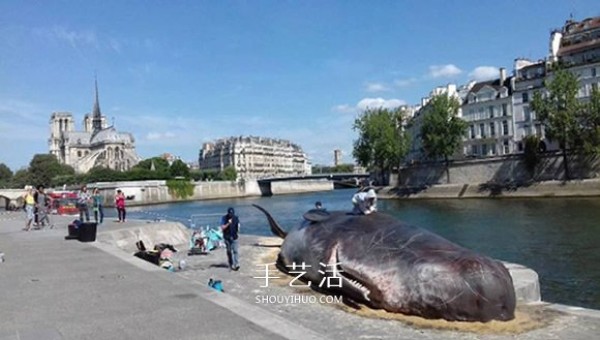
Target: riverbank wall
(140,193)
(501,169)
(577,188)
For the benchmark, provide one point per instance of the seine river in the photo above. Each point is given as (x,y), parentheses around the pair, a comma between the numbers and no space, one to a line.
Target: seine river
(559,238)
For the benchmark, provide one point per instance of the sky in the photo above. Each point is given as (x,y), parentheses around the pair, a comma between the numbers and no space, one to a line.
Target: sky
(177,74)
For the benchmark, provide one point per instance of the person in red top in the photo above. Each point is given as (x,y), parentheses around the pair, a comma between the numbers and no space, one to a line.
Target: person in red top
(120,204)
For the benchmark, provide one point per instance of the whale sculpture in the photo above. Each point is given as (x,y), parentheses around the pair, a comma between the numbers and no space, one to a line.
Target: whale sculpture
(386,264)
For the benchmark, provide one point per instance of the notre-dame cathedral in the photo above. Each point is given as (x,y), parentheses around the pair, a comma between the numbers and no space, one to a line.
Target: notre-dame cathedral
(98,145)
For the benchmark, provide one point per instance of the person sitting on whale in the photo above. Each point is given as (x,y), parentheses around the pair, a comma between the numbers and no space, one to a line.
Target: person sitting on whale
(364,203)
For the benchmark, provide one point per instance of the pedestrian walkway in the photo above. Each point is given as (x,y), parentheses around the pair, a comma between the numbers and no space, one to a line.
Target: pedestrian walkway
(58,289)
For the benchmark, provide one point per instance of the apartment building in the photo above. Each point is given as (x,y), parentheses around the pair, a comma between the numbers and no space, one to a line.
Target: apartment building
(413,128)
(487,110)
(255,157)
(529,78)
(577,46)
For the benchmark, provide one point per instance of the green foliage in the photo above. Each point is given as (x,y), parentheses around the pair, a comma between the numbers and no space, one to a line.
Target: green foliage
(101,174)
(382,142)
(5,175)
(591,123)
(228,174)
(342,168)
(442,129)
(532,153)
(180,188)
(44,167)
(179,168)
(196,175)
(210,175)
(559,110)
(160,164)
(20,179)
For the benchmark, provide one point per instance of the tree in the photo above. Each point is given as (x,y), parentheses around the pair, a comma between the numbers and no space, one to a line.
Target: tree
(559,112)
(5,175)
(591,123)
(229,174)
(531,153)
(442,130)
(160,164)
(381,143)
(179,168)
(20,179)
(44,167)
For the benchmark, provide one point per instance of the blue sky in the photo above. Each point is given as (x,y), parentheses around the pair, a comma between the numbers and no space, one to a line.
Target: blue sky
(180,73)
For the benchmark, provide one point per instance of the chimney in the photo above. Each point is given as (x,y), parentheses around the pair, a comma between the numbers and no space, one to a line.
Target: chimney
(502,75)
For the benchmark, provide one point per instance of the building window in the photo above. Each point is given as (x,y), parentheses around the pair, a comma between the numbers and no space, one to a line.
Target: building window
(594,87)
(506,148)
(525,97)
(505,127)
(593,71)
(520,146)
(492,129)
(493,149)
(527,114)
(482,130)
(474,150)
(484,150)
(79,153)
(504,109)
(491,110)
(472,128)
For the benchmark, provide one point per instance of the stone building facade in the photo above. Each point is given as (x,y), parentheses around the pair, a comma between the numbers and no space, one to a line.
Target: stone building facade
(488,113)
(255,157)
(98,145)
(498,111)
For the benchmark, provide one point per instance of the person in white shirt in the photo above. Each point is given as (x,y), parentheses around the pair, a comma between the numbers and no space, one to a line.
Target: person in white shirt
(364,203)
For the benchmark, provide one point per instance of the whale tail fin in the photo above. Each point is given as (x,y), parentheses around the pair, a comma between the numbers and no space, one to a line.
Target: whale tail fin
(275,228)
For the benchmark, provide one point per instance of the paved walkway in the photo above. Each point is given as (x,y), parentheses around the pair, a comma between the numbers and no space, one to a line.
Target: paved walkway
(58,289)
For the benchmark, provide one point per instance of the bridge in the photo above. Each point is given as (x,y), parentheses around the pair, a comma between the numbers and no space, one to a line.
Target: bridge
(11,197)
(340,180)
(331,176)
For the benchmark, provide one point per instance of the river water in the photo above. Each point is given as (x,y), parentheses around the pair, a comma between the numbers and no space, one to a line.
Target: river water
(559,238)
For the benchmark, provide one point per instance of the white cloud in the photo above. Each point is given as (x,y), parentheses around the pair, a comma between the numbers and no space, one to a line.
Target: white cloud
(444,71)
(344,108)
(76,39)
(373,103)
(405,82)
(482,73)
(376,87)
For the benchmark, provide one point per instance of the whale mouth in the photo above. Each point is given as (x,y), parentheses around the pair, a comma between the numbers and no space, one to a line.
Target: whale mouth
(356,285)
(349,279)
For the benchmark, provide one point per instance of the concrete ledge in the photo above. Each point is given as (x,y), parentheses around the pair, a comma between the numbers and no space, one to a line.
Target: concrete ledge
(592,313)
(526,283)
(173,233)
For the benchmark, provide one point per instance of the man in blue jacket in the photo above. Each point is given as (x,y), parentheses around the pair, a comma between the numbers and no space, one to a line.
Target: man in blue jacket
(230,224)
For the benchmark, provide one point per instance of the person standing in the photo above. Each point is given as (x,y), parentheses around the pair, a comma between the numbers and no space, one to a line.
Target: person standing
(29,203)
(230,224)
(97,205)
(83,201)
(120,204)
(41,207)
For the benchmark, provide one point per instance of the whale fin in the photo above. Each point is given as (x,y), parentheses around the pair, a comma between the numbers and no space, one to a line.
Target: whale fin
(275,228)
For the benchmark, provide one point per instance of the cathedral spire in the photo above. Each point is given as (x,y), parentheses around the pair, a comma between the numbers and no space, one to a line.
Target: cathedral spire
(96,114)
